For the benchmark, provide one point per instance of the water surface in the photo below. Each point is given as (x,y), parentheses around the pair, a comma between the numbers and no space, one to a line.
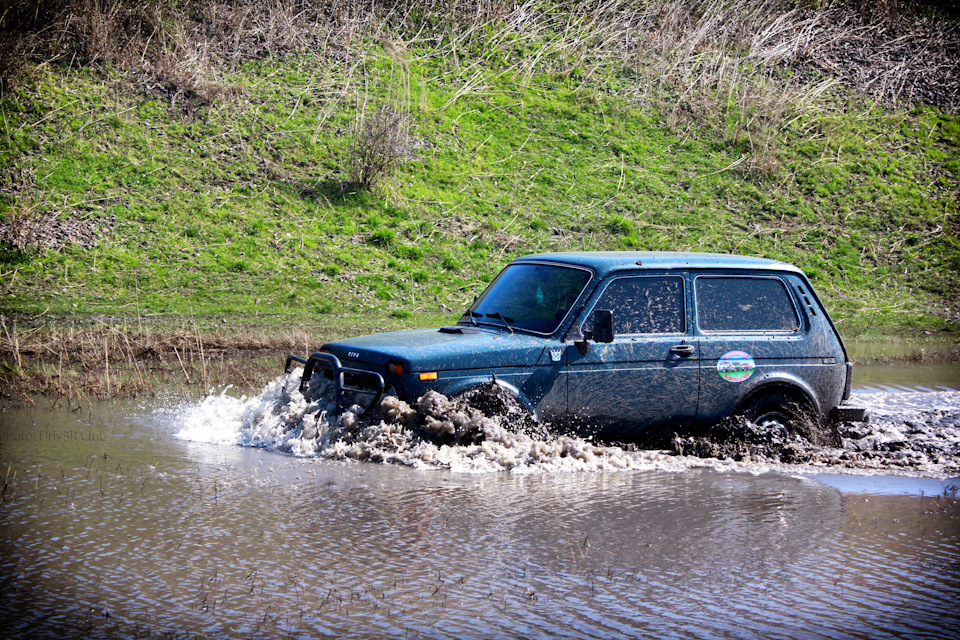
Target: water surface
(112,527)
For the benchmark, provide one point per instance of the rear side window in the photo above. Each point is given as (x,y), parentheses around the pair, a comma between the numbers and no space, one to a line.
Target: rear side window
(744,304)
(643,304)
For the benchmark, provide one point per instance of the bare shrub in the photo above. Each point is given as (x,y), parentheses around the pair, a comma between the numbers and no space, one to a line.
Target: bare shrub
(379,142)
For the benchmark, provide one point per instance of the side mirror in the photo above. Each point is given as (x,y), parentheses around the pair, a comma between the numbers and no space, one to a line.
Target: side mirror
(602,330)
(602,325)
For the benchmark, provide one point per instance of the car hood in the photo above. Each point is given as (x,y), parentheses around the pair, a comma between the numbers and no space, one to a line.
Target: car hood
(444,349)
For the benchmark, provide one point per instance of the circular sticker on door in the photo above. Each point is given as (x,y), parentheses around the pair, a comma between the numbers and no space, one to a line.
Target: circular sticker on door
(736,366)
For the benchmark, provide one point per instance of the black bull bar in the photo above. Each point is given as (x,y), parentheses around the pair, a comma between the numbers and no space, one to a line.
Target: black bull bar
(344,378)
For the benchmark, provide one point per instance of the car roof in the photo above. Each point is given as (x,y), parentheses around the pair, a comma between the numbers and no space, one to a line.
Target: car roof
(606,261)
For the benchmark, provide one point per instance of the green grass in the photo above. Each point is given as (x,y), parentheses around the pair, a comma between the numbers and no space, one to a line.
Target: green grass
(237,210)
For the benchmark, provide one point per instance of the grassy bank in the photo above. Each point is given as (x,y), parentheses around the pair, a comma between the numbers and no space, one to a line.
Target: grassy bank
(85,359)
(220,184)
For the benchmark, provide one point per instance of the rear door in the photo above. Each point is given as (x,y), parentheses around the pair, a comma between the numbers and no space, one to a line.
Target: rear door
(650,373)
(750,331)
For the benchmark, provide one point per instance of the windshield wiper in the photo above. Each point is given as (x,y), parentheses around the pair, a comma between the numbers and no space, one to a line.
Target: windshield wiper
(473,315)
(499,316)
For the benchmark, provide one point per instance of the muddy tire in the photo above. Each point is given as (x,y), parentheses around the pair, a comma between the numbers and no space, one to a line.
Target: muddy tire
(777,410)
(494,401)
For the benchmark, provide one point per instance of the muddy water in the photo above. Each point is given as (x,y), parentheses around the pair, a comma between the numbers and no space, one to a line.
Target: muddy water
(894,365)
(111,526)
(923,376)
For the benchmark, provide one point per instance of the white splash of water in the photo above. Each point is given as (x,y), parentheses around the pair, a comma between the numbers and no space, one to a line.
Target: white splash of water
(275,419)
(281,418)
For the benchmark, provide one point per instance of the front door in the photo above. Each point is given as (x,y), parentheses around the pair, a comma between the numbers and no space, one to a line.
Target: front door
(649,375)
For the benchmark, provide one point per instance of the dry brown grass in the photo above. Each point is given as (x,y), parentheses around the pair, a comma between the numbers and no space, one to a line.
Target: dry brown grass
(184,50)
(103,358)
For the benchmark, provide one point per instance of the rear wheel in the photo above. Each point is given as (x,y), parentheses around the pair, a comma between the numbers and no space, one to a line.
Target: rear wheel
(782,411)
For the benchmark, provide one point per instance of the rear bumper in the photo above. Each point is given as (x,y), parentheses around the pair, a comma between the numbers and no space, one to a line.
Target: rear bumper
(845,413)
(848,414)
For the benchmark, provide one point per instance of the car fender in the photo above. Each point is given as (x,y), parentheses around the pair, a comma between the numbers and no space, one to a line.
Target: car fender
(465,385)
(782,381)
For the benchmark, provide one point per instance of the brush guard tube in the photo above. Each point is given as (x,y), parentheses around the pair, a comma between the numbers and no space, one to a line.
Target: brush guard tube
(372,381)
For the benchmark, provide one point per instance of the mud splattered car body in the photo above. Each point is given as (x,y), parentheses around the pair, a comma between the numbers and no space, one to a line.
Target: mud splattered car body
(614,344)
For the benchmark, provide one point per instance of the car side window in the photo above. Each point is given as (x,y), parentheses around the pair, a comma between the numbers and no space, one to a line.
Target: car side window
(643,304)
(744,304)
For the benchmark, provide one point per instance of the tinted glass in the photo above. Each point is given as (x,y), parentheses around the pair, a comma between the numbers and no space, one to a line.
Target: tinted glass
(534,297)
(744,304)
(643,305)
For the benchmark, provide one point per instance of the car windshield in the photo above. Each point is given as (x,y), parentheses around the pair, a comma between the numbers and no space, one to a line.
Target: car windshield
(528,297)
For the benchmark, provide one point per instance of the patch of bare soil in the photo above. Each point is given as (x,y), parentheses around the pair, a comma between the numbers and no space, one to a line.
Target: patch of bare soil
(49,231)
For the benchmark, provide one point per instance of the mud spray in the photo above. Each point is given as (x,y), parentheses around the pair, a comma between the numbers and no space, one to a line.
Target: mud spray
(906,433)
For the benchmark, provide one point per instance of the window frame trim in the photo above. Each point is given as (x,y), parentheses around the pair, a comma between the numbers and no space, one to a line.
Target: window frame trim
(801,322)
(685,315)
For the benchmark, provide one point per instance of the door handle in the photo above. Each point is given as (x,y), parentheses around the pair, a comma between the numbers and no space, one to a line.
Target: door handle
(683,349)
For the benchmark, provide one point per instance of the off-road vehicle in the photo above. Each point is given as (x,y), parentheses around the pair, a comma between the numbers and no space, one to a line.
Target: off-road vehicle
(615,344)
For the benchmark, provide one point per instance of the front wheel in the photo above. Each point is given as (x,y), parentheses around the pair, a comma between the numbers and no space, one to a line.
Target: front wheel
(492,400)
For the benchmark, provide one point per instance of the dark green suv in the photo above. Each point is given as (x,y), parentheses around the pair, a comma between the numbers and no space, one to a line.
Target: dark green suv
(613,344)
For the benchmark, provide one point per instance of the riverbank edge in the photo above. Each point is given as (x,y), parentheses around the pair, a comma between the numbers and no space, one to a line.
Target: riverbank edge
(99,358)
